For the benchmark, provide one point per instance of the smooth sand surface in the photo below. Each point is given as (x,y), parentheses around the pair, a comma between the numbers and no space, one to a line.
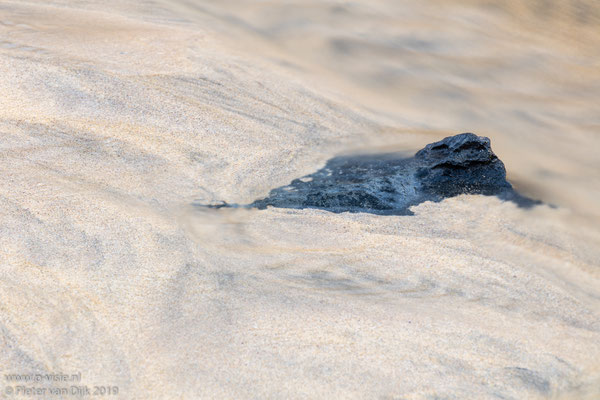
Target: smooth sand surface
(117,116)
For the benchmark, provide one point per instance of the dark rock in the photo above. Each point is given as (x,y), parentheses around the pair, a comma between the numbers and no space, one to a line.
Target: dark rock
(460,164)
(390,184)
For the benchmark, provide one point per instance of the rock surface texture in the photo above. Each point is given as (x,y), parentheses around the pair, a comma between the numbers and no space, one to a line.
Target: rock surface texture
(390,184)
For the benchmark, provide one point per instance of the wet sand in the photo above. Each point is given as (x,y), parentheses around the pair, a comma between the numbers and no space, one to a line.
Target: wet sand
(117,116)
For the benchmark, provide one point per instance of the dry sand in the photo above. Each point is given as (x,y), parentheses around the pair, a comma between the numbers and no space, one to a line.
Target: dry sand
(115,116)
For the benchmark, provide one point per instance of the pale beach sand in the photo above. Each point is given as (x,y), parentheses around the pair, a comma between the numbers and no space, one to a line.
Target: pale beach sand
(117,116)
